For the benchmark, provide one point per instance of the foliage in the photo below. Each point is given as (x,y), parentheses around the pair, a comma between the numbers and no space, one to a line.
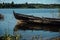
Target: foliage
(26,5)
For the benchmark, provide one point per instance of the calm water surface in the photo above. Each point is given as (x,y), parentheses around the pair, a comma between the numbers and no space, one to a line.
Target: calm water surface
(9,22)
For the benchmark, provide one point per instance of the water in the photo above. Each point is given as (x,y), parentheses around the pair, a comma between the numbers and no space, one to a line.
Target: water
(9,22)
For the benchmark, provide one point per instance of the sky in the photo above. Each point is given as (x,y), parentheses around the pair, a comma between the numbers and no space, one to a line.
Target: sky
(32,1)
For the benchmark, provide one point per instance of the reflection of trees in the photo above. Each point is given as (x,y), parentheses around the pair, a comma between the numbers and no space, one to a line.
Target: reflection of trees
(59,13)
(54,15)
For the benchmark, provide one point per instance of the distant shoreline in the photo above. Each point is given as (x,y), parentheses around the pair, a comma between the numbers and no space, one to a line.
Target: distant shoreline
(29,8)
(26,5)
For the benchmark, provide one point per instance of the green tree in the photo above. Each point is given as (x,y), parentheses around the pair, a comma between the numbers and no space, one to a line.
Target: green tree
(3,5)
(12,3)
(26,3)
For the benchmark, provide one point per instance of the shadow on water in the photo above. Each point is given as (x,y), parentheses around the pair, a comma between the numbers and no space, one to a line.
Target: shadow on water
(36,26)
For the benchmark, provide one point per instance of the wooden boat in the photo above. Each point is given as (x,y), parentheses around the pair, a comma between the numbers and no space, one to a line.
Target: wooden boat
(37,20)
(36,23)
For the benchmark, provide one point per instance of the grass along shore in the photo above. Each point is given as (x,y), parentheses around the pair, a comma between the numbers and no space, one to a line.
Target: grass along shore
(18,36)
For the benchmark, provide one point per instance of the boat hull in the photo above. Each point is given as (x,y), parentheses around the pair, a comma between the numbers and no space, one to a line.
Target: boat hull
(37,20)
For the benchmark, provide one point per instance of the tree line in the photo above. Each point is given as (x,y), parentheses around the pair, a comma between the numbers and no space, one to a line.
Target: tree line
(27,5)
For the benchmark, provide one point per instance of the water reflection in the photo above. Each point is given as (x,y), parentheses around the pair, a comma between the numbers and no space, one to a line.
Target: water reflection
(1,17)
(34,26)
(9,22)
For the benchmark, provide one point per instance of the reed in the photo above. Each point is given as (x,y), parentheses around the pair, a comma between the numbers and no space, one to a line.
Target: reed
(37,37)
(18,36)
(8,36)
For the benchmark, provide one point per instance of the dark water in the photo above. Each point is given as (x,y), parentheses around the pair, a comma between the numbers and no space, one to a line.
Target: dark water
(9,22)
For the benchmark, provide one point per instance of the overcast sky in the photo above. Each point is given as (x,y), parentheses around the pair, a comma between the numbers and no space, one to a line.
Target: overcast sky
(32,1)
